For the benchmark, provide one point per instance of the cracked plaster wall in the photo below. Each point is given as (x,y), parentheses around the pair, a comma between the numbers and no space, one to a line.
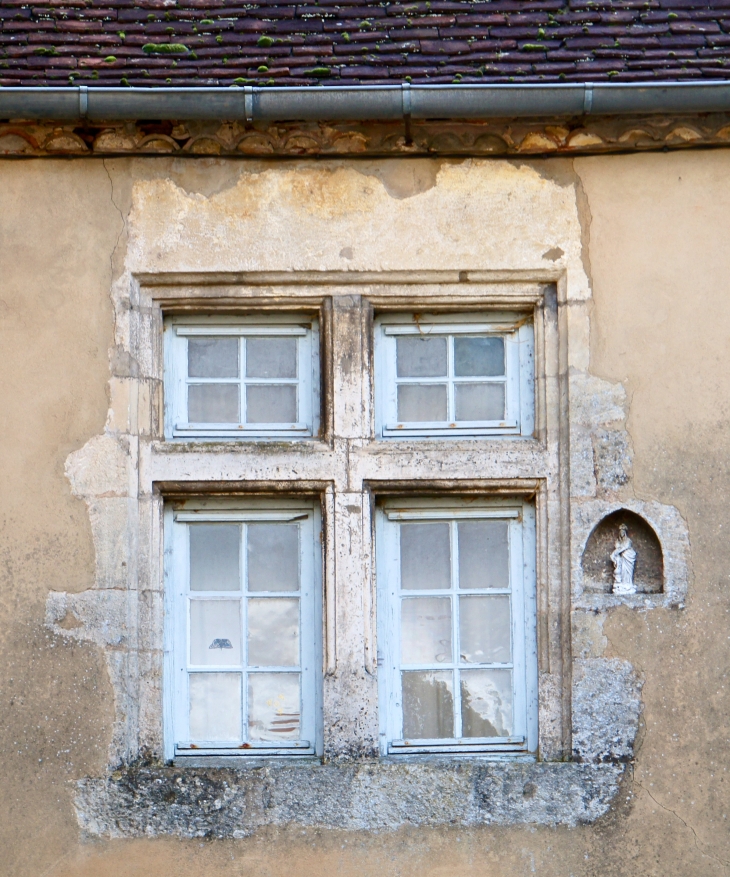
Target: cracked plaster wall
(211,216)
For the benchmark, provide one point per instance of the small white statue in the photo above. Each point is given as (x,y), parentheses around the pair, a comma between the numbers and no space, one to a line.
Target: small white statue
(623,558)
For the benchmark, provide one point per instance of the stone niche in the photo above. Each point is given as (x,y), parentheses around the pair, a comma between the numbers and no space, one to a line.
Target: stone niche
(596,562)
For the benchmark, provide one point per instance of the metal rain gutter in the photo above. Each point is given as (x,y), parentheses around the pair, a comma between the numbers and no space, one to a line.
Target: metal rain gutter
(364,102)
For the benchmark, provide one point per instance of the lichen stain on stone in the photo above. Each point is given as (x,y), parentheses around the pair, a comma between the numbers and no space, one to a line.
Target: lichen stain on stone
(152,800)
(606,710)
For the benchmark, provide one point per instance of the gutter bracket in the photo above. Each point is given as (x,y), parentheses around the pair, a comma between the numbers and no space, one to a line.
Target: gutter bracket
(83,101)
(588,99)
(248,102)
(406,109)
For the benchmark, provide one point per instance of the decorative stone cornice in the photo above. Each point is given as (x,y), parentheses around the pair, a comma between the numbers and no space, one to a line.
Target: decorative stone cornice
(587,135)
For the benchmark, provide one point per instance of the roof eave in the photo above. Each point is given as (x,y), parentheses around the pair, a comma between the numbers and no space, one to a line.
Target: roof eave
(362,102)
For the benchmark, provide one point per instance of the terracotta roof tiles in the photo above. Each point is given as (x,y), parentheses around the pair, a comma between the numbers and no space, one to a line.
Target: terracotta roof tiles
(228,42)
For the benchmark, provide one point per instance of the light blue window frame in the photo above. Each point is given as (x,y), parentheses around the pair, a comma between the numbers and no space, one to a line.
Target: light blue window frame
(178,667)
(520,516)
(519,378)
(177,331)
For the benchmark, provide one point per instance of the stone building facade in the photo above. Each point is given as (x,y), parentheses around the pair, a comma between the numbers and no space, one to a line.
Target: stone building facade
(595,250)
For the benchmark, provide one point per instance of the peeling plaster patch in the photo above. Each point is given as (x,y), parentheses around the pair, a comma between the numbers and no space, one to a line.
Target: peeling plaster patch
(204,176)
(100,468)
(595,405)
(101,618)
(111,530)
(606,709)
(191,802)
(612,458)
(404,179)
(103,474)
(285,214)
(554,253)
(589,640)
(596,402)
(122,364)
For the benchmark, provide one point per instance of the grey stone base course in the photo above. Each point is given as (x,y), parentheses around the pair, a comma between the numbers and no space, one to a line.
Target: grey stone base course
(225,802)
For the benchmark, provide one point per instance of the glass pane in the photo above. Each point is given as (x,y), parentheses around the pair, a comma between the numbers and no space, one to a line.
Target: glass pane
(486,703)
(428,705)
(213,357)
(273,557)
(215,557)
(215,707)
(418,356)
(273,632)
(213,403)
(215,632)
(425,556)
(421,403)
(483,554)
(478,357)
(274,706)
(484,630)
(425,630)
(271,357)
(479,401)
(271,403)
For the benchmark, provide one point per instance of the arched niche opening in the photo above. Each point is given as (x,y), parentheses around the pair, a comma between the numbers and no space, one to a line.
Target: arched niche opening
(598,568)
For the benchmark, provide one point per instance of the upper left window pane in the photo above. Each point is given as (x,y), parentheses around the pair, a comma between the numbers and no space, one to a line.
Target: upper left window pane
(232,378)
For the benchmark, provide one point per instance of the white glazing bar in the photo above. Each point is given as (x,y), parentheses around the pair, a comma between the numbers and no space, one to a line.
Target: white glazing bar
(467,379)
(243,585)
(441,592)
(223,515)
(195,380)
(456,644)
(426,427)
(448,514)
(295,668)
(451,329)
(463,743)
(239,430)
(449,665)
(450,391)
(207,747)
(210,746)
(242,331)
(242,373)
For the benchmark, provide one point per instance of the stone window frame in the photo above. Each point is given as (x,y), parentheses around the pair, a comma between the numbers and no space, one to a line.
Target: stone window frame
(345,470)
(178,518)
(518,338)
(520,661)
(274,325)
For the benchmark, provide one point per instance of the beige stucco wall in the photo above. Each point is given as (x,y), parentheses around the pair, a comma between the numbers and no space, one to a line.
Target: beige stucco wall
(650,233)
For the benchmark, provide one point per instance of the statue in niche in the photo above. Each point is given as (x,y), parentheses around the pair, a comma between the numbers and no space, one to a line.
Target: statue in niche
(623,558)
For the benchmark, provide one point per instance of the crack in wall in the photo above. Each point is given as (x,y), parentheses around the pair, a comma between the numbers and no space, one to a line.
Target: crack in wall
(121,216)
(709,855)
